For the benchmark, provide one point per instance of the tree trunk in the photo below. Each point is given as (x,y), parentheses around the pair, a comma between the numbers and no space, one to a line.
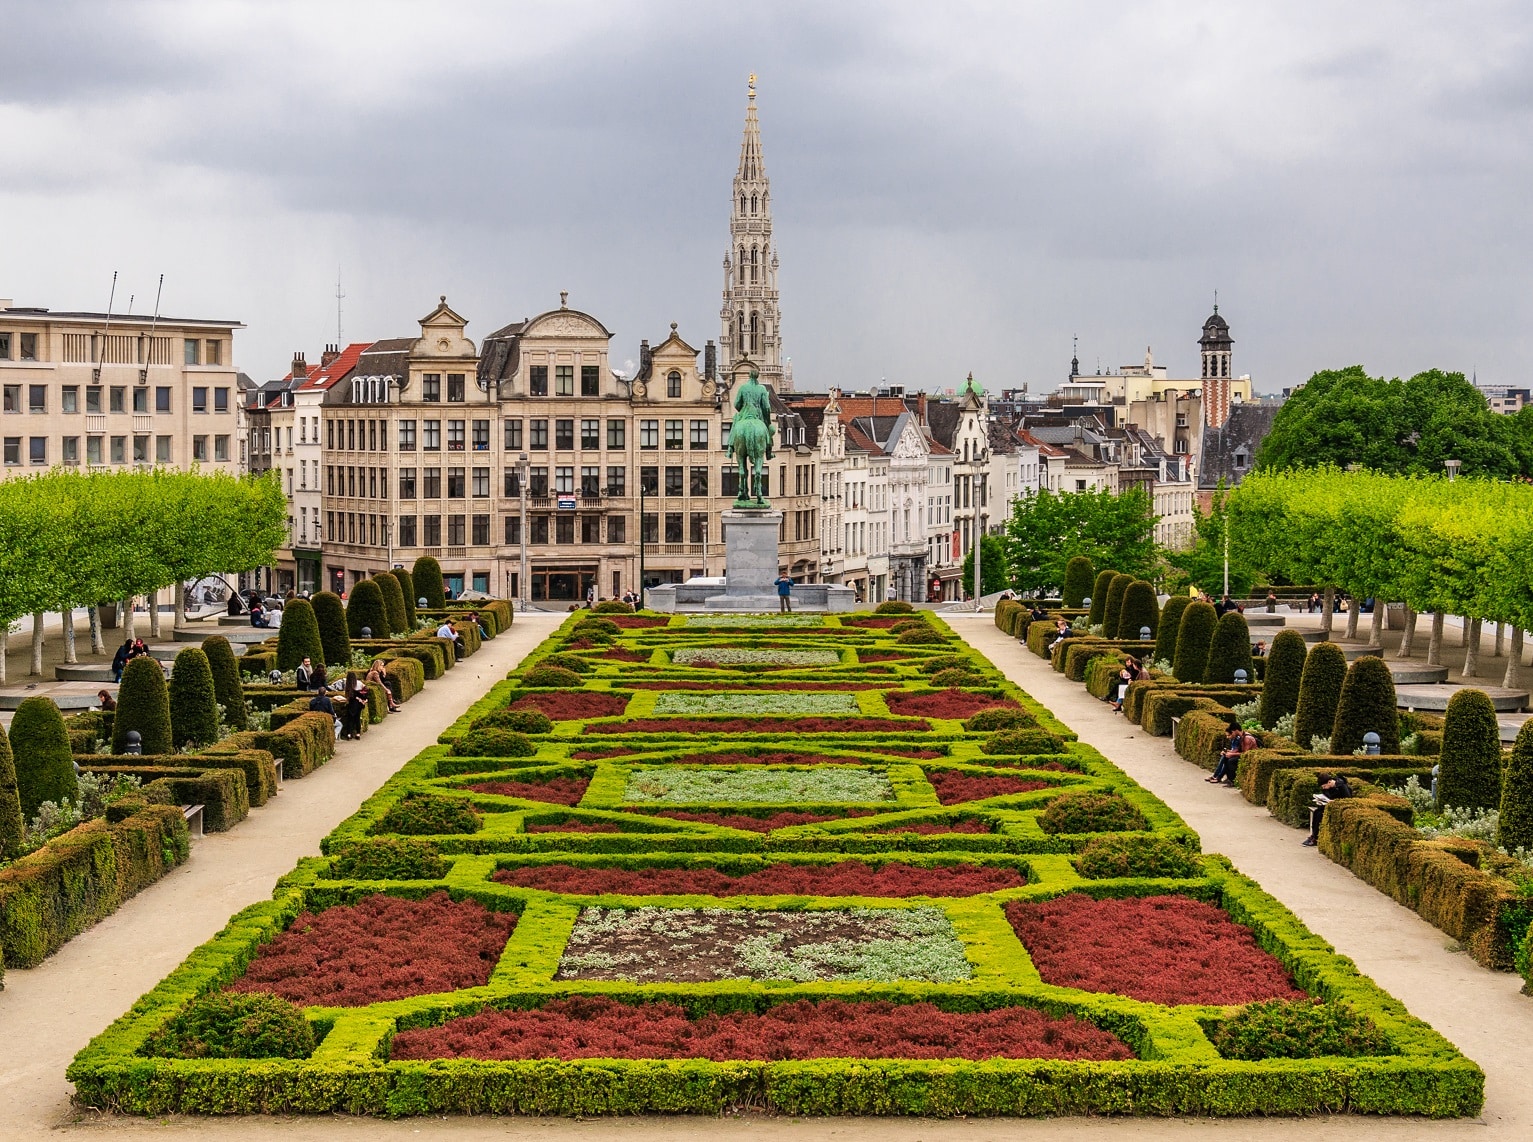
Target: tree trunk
(97,643)
(1376,632)
(154,614)
(127,618)
(1500,632)
(1435,644)
(5,634)
(37,642)
(1351,618)
(1472,647)
(68,618)
(1408,637)
(1327,610)
(1512,679)
(1463,631)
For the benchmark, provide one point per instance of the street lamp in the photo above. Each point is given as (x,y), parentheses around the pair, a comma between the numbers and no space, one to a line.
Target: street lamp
(641,539)
(1453,467)
(522,585)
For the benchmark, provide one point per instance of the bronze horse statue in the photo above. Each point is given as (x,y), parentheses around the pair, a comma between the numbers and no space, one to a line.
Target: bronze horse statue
(750,441)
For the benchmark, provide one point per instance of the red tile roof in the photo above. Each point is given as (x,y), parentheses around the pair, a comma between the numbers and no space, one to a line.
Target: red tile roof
(323,376)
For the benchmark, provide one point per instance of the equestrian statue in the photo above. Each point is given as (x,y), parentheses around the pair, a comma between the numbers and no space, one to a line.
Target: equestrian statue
(750,441)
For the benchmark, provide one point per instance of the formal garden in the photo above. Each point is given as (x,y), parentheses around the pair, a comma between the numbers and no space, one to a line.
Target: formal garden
(816,865)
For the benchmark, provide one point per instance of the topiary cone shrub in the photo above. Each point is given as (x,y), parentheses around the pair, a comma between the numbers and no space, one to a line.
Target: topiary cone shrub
(226,682)
(894,607)
(364,610)
(330,614)
(493,742)
(1194,637)
(522,721)
(1170,624)
(1367,703)
(13,830)
(1516,828)
(298,636)
(1114,607)
(407,589)
(427,578)
(1470,777)
(143,705)
(1230,650)
(45,769)
(393,603)
(1079,575)
(1280,685)
(233,1025)
(193,703)
(551,676)
(1099,597)
(1325,669)
(1140,609)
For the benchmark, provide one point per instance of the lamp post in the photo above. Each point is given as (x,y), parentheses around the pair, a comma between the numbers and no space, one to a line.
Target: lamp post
(641,539)
(522,584)
(1453,467)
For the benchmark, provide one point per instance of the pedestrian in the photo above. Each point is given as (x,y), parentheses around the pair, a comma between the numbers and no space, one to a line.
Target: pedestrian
(784,587)
(139,650)
(303,677)
(1332,788)
(120,659)
(105,701)
(356,705)
(234,603)
(1271,602)
(591,596)
(376,674)
(258,614)
(319,680)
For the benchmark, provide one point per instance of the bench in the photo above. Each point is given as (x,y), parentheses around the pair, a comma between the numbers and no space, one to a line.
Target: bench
(277,764)
(193,816)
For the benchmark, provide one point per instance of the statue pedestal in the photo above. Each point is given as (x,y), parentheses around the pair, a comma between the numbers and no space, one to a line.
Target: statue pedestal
(750,561)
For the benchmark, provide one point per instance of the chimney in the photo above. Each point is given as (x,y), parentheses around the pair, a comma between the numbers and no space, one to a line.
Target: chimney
(300,367)
(5,303)
(710,360)
(644,357)
(331,353)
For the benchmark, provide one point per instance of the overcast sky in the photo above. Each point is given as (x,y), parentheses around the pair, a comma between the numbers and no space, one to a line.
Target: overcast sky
(956,186)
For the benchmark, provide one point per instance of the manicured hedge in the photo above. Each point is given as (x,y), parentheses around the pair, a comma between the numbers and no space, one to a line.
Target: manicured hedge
(226,681)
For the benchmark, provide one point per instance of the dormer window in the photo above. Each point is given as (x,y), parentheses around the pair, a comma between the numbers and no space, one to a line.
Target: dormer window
(673,384)
(1240,459)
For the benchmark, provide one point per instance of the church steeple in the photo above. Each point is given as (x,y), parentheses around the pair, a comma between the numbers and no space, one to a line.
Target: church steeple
(750,321)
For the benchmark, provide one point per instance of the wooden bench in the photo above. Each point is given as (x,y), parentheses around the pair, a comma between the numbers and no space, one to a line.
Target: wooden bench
(193,815)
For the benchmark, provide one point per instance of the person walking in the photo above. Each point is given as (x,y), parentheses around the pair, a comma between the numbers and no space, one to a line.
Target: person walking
(356,704)
(303,677)
(784,594)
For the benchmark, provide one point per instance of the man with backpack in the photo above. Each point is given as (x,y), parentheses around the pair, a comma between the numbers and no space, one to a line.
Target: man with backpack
(1236,742)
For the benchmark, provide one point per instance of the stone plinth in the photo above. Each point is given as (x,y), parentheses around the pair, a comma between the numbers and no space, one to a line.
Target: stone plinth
(750,561)
(1434,697)
(1263,619)
(1408,672)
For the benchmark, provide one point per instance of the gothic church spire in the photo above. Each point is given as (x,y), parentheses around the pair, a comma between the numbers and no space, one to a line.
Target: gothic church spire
(750,321)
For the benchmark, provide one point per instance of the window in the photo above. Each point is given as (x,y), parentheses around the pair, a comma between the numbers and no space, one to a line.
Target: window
(649,434)
(455,440)
(70,398)
(37,450)
(672,435)
(617,480)
(141,449)
(513,434)
(407,436)
(590,434)
(71,450)
(220,448)
(617,529)
(37,398)
(590,480)
(513,482)
(538,381)
(649,528)
(431,483)
(199,399)
(481,534)
(92,398)
(590,529)
(221,404)
(697,484)
(12,398)
(162,449)
(537,481)
(213,353)
(673,527)
(455,388)
(617,434)
(697,527)
(407,531)
(191,350)
(564,435)
(673,481)
(538,437)
(118,399)
(564,528)
(537,529)
(29,346)
(699,435)
(93,449)
(590,380)
(481,483)
(564,480)
(162,398)
(729,481)
(431,431)
(12,450)
(455,484)
(5,346)
(513,529)
(649,481)
(140,400)
(481,436)
(431,528)
(119,450)
(673,384)
(564,380)
(407,483)
(431,386)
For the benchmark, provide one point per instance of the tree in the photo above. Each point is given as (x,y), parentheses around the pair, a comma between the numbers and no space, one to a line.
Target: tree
(1099,597)
(364,611)
(1202,565)
(226,682)
(1114,608)
(298,636)
(1325,668)
(1280,682)
(1193,639)
(1516,827)
(1367,704)
(992,566)
(394,602)
(45,769)
(407,588)
(1470,773)
(427,578)
(144,706)
(1230,650)
(1170,626)
(1140,609)
(193,702)
(1046,530)
(330,615)
(1079,576)
(13,832)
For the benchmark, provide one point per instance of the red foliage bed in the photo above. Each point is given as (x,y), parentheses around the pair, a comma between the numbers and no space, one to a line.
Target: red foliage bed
(973,825)
(779,820)
(635,620)
(382,947)
(585,1027)
(880,655)
(877,623)
(944,703)
(562,704)
(622,654)
(557,791)
(760,726)
(1161,949)
(678,684)
(599,754)
(906,751)
(843,878)
(954,786)
(761,759)
(575,827)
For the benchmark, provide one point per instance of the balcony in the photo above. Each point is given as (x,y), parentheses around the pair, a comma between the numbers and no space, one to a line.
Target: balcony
(95,422)
(143,422)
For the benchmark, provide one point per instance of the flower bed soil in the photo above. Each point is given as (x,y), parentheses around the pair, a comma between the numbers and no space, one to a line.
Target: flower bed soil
(1161,949)
(903,751)
(760,726)
(569,704)
(875,623)
(635,620)
(382,947)
(586,1027)
(842,878)
(836,687)
(972,825)
(763,824)
(760,759)
(575,827)
(954,787)
(880,655)
(944,704)
(557,791)
(621,654)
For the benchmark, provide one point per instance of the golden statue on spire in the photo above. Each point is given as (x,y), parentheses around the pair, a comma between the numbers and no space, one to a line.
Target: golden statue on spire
(750,85)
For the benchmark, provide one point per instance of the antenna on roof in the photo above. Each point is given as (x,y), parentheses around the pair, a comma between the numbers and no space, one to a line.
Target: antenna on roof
(110,298)
(339,340)
(1216,301)
(143,372)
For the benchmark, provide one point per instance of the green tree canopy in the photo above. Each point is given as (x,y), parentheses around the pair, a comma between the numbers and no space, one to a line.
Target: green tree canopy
(1046,530)
(992,566)
(1202,565)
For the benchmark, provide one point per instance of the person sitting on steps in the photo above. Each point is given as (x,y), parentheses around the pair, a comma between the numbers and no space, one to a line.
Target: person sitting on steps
(1236,742)
(1332,788)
